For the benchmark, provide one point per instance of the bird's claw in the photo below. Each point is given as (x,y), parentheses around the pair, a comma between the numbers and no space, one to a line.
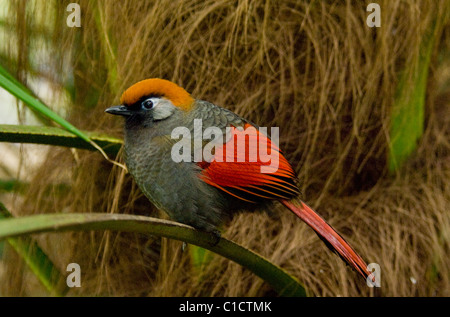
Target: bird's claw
(216,237)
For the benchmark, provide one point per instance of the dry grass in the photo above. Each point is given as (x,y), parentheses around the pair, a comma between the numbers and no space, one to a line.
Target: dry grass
(312,68)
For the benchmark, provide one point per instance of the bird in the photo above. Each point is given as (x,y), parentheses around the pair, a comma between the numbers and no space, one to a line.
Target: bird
(179,160)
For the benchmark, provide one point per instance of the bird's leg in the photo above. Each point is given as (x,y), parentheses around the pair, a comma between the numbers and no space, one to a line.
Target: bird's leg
(216,236)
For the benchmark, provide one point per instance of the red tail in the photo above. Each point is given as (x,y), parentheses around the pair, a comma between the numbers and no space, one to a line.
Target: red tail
(326,232)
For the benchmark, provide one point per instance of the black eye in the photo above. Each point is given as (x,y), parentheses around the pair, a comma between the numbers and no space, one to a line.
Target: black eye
(147,104)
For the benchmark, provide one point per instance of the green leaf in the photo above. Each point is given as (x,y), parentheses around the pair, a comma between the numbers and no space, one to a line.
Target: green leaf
(44,120)
(19,91)
(199,257)
(282,282)
(36,260)
(56,136)
(408,111)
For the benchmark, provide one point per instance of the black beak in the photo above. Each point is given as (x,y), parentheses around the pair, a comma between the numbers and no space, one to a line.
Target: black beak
(120,110)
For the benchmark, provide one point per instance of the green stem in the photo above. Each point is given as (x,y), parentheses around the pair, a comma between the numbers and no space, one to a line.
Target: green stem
(56,136)
(282,282)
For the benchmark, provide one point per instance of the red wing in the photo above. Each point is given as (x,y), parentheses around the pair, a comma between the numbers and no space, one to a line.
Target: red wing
(250,167)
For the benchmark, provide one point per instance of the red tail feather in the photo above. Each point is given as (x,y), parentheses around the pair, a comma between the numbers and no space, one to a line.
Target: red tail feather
(325,231)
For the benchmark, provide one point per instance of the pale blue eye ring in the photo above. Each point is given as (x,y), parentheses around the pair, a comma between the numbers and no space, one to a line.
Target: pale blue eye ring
(147,104)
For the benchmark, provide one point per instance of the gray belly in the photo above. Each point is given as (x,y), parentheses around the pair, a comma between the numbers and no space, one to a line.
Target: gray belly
(175,188)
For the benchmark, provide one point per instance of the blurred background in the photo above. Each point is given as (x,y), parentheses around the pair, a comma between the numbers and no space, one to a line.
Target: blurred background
(363,113)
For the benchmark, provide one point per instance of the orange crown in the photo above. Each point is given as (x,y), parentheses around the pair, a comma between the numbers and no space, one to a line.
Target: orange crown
(159,87)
